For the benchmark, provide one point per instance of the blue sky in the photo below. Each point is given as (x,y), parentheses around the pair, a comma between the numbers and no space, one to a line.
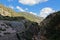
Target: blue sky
(37,7)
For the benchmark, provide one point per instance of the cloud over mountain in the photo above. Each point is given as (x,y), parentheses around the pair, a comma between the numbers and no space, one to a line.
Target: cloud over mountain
(46,11)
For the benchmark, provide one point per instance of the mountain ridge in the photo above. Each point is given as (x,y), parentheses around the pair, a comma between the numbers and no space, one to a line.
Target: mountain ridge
(6,11)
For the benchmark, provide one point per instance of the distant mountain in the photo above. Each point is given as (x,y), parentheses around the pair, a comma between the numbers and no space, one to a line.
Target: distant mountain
(5,11)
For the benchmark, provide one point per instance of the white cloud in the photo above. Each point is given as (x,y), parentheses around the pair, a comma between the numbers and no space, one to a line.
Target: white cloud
(46,11)
(31,2)
(33,13)
(20,9)
(11,7)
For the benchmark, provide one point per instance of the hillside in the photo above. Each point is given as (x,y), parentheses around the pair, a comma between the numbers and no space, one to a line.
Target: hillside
(17,28)
(5,11)
(13,25)
(50,27)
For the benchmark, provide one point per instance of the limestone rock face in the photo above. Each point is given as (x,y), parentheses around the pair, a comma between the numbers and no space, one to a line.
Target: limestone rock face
(50,27)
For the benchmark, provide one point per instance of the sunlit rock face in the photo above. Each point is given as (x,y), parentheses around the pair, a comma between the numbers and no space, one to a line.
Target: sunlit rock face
(4,13)
(50,27)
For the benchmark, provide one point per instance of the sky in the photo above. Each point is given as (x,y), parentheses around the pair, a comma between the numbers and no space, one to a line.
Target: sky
(40,8)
